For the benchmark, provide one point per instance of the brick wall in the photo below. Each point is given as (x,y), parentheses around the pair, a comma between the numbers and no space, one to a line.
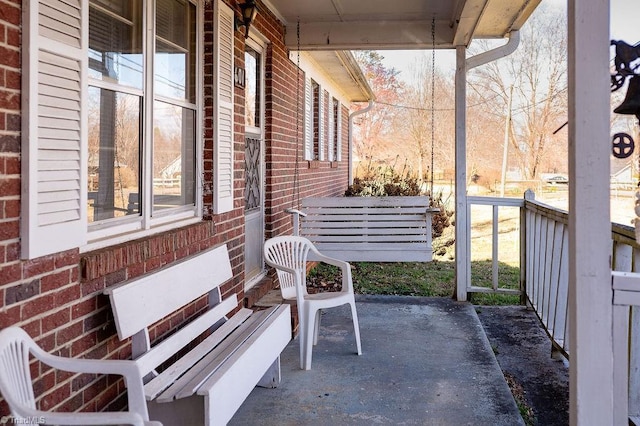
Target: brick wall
(285,150)
(58,299)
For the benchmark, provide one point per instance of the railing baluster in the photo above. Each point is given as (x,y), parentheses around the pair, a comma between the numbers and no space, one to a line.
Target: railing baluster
(634,348)
(562,306)
(494,247)
(622,261)
(554,281)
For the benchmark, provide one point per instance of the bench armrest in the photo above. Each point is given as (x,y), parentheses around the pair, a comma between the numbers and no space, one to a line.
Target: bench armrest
(296,211)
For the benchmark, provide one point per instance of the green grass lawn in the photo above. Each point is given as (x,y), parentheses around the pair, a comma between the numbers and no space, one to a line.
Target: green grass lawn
(431,279)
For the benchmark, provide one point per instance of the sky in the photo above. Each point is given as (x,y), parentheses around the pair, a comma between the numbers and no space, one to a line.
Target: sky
(624,26)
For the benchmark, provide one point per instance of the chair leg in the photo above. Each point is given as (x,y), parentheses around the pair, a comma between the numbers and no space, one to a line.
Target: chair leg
(309,326)
(316,330)
(356,327)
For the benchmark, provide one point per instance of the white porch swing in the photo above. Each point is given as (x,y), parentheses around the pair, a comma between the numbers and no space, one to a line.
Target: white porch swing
(366,229)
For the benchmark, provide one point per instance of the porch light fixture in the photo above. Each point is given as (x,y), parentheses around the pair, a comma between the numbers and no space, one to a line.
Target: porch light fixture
(249,10)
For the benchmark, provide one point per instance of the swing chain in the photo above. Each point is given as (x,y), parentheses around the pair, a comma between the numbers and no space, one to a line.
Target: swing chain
(433,85)
(295,194)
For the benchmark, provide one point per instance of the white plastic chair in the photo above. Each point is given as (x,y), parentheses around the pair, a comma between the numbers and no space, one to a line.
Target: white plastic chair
(288,255)
(16,384)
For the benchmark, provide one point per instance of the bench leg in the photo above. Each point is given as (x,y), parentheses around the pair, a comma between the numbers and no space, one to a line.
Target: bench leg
(271,378)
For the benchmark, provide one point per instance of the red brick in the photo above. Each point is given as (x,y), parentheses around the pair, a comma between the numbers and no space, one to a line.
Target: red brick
(22,292)
(83,308)
(67,295)
(59,394)
(9,316)
(82,381)
(92,287)
(10,273)
(8,100)
(37,306)
(54,280)
(66,258)
(38,266)
(9,14)
(83,344)
(12,252)
(10,230)
(47,343)
(55,320)
(69,333)
(11,209)
(44,383)
(13,37)
(13,81)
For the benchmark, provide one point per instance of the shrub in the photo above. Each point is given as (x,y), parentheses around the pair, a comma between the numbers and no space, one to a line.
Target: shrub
(384,180)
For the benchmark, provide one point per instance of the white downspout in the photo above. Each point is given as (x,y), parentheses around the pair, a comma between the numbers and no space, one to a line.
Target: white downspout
(350,142)
(462,213)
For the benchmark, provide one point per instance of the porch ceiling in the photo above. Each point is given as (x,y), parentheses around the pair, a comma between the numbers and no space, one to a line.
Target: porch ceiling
(399,24)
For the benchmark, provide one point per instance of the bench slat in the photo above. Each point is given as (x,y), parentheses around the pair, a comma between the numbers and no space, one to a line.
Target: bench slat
(365,201)
(136,304)
(400,226)
(171,374)
(357,216)
(369,211)
(276,343)
(368,239)
(187,384)
(380,255)
(234,381)
(165,349)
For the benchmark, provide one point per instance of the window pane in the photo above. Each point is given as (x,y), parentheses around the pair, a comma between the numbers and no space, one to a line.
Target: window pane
(173,156)
(115,41)
(114,154)
(175,61)
(252,88)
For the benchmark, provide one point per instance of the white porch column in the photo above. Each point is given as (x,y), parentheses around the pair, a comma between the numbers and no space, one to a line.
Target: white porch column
(590,303)
(462,255)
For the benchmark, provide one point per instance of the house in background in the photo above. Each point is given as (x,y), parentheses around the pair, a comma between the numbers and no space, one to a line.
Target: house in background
(87,87)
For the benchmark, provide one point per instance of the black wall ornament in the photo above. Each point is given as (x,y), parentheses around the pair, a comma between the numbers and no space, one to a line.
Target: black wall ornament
(627,61)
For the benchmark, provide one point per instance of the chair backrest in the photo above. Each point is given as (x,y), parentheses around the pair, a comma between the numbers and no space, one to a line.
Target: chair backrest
(15,375)
(289,252)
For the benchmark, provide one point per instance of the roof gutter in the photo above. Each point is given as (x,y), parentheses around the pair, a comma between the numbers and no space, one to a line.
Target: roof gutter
(497,53)
(351,117)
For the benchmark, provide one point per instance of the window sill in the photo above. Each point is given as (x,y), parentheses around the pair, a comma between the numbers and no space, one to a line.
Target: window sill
(112,240)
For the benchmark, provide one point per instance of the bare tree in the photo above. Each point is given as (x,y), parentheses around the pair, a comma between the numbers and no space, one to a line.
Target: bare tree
(538,73)
(374,134)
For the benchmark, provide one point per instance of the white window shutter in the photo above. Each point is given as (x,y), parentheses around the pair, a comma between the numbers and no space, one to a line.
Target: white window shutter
(339,133)
(331,130)
(223,143)
(308,120)
(54,133)
(321,143)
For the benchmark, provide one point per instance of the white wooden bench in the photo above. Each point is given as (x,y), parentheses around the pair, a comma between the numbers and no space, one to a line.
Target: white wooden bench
(206,385)
(368,229)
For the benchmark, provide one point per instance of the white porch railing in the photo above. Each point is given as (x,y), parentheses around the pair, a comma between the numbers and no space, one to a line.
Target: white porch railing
(545,284)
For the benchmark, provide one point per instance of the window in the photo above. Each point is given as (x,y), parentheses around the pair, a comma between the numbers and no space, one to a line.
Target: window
(314,121)
(334,130)
(141,126)
(252,87)
(111,143)
(337,130)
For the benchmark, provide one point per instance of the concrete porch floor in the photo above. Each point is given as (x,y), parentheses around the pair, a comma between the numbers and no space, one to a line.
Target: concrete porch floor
(425,361)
